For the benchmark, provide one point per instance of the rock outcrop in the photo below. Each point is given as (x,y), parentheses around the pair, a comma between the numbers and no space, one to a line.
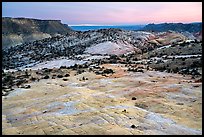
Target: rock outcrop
(116,41)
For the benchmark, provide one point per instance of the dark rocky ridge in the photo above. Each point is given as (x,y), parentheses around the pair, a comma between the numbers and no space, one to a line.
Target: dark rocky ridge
(180,27)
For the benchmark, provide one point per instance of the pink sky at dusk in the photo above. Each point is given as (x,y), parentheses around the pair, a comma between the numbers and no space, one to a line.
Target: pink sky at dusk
(108,13)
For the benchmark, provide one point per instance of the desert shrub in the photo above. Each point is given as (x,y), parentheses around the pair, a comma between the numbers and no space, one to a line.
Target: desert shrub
(108,71)
(32,79)
(183,63)
(66,75)
(59,76)
(133,98)
(46,77)
(83,78)
(63,67)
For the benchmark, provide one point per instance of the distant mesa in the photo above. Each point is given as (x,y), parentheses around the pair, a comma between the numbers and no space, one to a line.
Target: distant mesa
(179,27)
(20,30)
(29,26)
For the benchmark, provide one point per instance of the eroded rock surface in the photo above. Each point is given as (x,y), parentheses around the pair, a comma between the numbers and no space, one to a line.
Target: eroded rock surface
(91,104)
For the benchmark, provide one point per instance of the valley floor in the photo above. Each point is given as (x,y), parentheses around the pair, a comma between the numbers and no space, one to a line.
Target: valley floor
(124,103)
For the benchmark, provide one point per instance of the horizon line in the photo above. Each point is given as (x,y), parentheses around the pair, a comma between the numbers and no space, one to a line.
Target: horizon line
(130,24)
(92,24)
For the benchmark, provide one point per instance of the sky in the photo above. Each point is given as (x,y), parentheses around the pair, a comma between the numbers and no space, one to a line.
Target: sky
(106,13)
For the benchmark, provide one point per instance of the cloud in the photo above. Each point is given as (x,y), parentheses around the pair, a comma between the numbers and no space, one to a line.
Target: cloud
(107,12)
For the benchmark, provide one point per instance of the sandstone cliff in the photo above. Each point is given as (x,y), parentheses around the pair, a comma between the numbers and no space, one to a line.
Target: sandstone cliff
(20,30)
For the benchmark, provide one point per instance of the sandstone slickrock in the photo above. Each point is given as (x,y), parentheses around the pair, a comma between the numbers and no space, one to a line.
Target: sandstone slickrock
(102,82)
(102,105)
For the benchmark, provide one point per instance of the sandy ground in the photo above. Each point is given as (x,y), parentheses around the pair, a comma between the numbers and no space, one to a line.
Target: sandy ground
(165,104)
